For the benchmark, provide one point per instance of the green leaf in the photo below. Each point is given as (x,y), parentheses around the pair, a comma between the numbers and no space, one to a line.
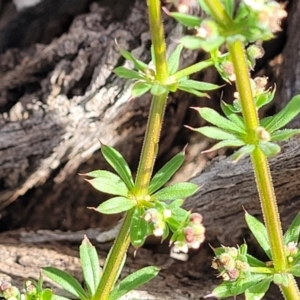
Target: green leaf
(254,262)
(231,115)
(216,119)
(157,89)
(289,112)
(56,297)
(140,88)
(138,228)
(229,7)
(283,135)
(166,172)
(127,74)
(133,281)
(281,279)
(246,150)
(109,183)
(185,19)
(116,205)
(205,7)
(214,133)
(292,234)
(259,231)
(66,281)
(46,294)
(119,164)
(193,92)
(226,143)
(197,85)
(174,60)
(176,191)
(269,149)
(139,65)
(263,99)
(295,270)
(90,265)
(257,291)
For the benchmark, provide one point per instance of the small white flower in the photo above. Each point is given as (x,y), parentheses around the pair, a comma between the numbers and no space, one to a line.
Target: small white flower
(255,4)
(180,247)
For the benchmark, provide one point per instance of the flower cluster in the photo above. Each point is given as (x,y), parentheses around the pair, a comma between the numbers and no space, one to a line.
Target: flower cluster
(192,235)
(270,13)
(9,292)
(157,220)
(230,263)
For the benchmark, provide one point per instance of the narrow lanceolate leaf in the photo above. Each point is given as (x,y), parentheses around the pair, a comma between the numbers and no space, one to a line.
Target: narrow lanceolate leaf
(216,119)
(193,92)
(109,183)
(226,143)
(194,43)
(244,151)
(257,291)
(269,149)
(176,191)
(174,59)
(197,85)
(292,234)
(214,133)
(115,205)
(295,270)
(127,74)
(90,265)
(185,19)
(140,88)
(283,135)
(66,281)
(133,281)
(259,231)
(138,228)
(166,172)
(139,65)
(289,112)
(231,115)
(117,161)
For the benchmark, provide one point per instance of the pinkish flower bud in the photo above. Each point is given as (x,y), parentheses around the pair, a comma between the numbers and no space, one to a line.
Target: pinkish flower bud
(255,51)
(196,218)
(263,134)
(233,274)
(228,69)
(180,246)
(227,261)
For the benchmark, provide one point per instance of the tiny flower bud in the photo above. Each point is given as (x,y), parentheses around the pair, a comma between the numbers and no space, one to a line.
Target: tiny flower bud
(232,251)
(196,218)
(198,229)
(180,247)
(227,261)
(228,69)
(255,51)
(263,134)
(260,83)
(167,213)
(10,292)
(5,285)
(233,274)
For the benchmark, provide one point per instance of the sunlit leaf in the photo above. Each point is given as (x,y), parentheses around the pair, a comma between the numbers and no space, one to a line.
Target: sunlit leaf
(242,152)
(295,270)
(133,281)
(269,149)
(257,291)
(157,89)
(289,112)
(174,60)
(185,19)
(176,191)
(292,234)
(226,143)
(229,7)
(284,134)
(211,116)
(90,265)
(138,228)
(193,92)
(166,172)
(140,88)
(109,183)
(66,281)
(197,85)
(117,161)
(127,74)
(231,115)
(116,205)
(194,43)
(214,133)
(259,231)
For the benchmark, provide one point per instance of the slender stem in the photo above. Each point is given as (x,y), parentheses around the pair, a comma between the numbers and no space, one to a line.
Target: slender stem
(158,40)
(150,145)
(115,259)
(148,155)
(218,12)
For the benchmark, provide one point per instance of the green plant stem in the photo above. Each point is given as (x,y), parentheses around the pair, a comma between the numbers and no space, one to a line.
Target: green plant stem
(218,12)
(261,168)
(148,155)
(115,259)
